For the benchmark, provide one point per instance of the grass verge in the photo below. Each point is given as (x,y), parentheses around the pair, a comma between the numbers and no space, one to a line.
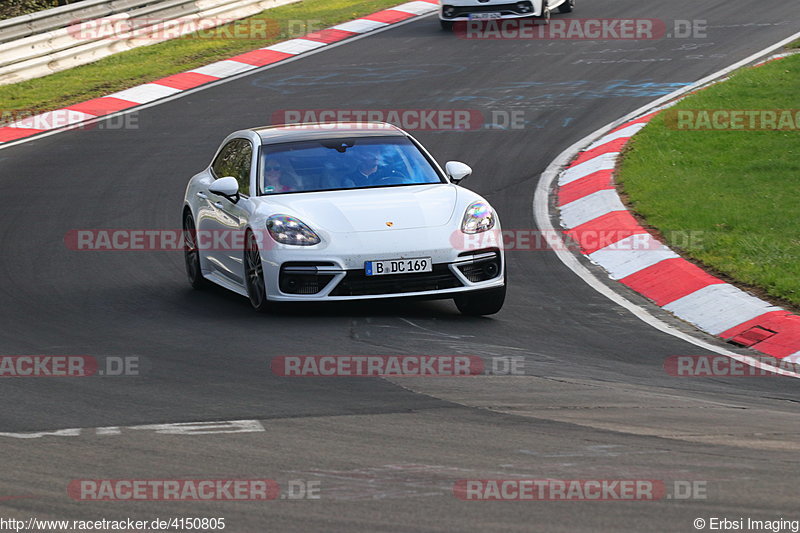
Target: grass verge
(739,189)
(148,63)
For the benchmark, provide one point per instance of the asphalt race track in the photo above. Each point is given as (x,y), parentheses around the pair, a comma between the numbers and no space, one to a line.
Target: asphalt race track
(595,402)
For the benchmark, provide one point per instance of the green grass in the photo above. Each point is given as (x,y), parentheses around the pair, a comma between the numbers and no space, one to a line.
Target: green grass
(740,189)
(148,63)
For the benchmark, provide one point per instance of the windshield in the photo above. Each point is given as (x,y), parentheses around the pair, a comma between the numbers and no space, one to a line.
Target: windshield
(335,164)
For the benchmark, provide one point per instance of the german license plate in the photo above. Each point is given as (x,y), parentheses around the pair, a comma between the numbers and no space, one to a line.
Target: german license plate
(398,266)
(485,16)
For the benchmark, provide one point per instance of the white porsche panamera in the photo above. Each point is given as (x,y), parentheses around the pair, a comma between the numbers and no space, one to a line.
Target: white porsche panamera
(323,212)
(452,11)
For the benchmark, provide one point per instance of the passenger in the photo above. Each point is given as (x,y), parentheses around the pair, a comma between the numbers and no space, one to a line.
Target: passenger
(278,177)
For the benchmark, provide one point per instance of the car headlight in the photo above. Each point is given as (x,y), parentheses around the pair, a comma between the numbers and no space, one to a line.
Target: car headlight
(478,218)
(289,230)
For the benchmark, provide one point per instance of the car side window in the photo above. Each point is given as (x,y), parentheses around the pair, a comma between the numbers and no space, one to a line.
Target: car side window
(243,164)
(235,160)
(222,165)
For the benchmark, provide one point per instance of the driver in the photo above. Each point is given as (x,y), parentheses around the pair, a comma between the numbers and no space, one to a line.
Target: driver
(368,170)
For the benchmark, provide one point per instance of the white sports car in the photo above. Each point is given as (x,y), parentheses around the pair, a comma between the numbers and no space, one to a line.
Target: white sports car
(452,11)
(322,212)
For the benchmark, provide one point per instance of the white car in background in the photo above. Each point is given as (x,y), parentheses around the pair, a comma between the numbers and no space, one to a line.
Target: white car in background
(452,11)
(324,212)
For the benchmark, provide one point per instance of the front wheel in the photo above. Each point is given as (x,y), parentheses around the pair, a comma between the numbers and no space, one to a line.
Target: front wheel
(191,252)
(254,274)
(567,6)
(481,303)
(447,25)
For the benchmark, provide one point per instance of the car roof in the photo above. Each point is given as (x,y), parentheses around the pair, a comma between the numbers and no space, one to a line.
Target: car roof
(309,131)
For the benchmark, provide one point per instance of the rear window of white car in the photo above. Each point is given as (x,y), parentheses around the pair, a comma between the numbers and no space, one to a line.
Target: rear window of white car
(347,163)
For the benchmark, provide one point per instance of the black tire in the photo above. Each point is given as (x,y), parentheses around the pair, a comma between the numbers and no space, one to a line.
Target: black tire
(481,303)
(254,274)
(447,25)
(191,254)
(567,6)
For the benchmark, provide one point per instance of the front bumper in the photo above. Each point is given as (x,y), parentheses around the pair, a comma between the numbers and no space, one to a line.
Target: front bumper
(459,11)
(334,274)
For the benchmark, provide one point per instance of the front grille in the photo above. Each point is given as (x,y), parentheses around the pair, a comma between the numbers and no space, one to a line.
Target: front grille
(357,283)
(300,277)
(504,9)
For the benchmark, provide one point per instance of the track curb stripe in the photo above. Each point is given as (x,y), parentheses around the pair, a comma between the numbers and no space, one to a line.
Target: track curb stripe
(605,231)
(606,161)
(330,35)
(631,255)
(593,214)
(685,278)
(73,115)
(389,16)
(612,145)
(590,207)
(102,106)
(257,58)
(143,94)
(603,179)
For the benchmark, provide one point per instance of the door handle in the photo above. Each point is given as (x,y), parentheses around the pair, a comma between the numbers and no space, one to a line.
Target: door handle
(202,195)
(218,205)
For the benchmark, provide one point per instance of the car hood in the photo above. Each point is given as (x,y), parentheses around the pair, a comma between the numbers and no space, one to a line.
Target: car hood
(384,209)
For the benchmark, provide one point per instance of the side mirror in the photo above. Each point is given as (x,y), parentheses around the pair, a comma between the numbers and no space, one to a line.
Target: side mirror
(227,187)
(457,170)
